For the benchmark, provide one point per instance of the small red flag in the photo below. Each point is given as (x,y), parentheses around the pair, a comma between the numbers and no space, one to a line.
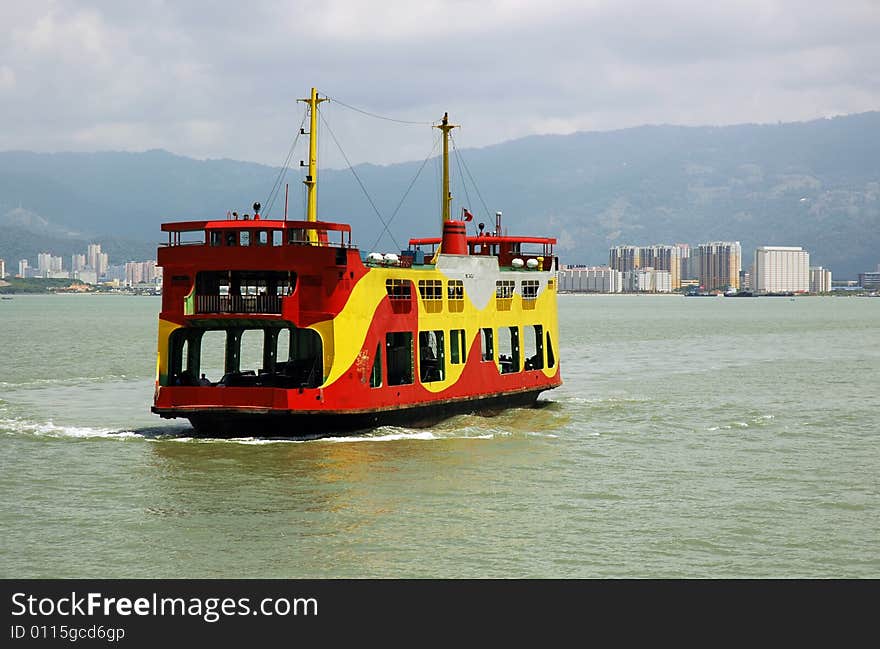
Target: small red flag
(466,215)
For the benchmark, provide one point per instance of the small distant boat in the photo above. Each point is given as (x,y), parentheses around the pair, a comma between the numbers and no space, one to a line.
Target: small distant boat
(5,298)
(740,294)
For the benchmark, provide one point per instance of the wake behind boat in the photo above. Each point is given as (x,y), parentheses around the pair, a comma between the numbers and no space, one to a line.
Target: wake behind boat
(454,324)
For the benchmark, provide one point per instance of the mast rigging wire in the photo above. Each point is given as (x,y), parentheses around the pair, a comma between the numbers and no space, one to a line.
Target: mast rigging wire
(476,187)
(405,194)
(364,189)
(387,119)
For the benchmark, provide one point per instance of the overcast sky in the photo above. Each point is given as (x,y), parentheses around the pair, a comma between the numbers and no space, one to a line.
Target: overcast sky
(220,78)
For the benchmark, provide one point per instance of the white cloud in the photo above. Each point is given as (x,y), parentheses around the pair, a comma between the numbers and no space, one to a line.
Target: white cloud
(220,78)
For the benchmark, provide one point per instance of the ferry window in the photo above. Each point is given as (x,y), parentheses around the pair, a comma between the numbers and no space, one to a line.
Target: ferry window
(244,238)
(398,289)
(231,239)
(457,352)
(277,239)
(530,289)
(504,288)
(432,358)
(534,348)
(304,364)
(455,294)
(431,291)
(487,350)
(214,238)
(376,372)
(262,237)
(504,294)
(213,355)
(296,235)
(399,357)
(178,372)
(551,359)
(508,349)
(251,351)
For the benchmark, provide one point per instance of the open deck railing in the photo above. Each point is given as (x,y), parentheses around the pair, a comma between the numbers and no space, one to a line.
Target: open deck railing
(238,304)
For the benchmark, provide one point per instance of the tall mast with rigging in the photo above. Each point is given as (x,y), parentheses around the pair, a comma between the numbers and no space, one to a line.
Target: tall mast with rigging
(445,126)
(311,181)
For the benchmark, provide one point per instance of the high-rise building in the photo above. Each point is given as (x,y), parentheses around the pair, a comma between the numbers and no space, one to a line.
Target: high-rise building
(589,279)
(140,272)
(719,264)
(820,280)
(662,257)
(2,268)
(44,262)
(624,258)
(22,268)
(97,260)
(685,255)
(77,262)
(781,269)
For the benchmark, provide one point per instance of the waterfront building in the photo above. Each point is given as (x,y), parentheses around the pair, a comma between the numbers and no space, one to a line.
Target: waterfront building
(658,257)
(590,279)
(820,280)
(686,267)
(77,262)
(140,272)
(647,280)
(870,280)
(781,269)
(22,268)
(719,264)
(624,258)
(663,257)
(97,260)
(2,268)
(48,265)
(86,276)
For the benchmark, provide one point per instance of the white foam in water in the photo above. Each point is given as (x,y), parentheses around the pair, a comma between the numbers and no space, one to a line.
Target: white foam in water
(48,429)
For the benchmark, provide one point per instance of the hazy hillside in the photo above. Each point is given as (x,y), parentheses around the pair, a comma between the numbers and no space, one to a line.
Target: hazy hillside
(815,184)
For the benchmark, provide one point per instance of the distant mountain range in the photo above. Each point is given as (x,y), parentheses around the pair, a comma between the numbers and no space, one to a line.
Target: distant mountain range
(814,184)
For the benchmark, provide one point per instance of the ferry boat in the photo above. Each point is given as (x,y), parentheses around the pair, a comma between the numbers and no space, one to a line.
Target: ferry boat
(460,323)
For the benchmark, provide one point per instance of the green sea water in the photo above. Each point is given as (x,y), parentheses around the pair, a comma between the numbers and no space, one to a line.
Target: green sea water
(693,437)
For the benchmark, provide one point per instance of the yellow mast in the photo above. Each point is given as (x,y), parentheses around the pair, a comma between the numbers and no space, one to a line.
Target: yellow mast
(311,181)
(445,126)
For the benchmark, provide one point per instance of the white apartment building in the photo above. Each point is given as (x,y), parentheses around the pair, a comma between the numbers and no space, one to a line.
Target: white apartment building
(589,279)
(781,269)
(820,280)
(647,280)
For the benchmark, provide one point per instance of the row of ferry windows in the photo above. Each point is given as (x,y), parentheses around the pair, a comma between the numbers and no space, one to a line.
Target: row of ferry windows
(432,289)
(501,346)
(255,237)
(290,358)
